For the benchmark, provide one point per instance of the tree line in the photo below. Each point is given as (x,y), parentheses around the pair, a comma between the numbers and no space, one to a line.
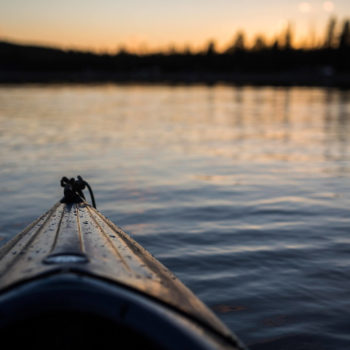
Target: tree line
(333,39)
(329,57)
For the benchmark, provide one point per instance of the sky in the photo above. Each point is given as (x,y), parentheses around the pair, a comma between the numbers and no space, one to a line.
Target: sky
(144,26)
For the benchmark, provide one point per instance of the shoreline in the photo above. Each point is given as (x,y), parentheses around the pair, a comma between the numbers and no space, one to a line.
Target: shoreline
(298,78)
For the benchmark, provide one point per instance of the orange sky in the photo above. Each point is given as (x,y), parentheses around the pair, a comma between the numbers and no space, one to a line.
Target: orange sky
(138,25)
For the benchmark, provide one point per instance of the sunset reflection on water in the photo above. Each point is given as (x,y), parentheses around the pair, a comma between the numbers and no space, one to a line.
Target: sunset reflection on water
(241,191)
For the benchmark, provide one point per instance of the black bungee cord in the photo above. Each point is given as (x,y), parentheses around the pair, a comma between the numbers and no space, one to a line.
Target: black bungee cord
(73,190)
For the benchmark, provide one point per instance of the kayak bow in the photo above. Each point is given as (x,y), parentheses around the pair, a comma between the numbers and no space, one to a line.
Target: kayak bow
(73,277)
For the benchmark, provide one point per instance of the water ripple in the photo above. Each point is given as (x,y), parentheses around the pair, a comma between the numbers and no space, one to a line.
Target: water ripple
(241,191)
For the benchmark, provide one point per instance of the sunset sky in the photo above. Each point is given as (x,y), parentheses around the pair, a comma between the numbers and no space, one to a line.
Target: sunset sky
(137,25)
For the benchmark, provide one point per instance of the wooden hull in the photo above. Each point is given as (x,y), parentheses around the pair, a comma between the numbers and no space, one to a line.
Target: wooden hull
(77,261)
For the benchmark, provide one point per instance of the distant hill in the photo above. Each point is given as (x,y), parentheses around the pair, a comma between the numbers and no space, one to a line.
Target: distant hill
(29,57)
(272,66)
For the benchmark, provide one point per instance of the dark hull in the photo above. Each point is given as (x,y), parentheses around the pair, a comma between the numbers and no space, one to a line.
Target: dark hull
(74,276)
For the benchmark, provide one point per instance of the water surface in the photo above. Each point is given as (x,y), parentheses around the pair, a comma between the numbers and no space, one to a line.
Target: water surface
(242,192)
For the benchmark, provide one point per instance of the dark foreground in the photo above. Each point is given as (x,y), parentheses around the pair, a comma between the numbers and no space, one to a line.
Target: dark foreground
(269,79)
(74,270)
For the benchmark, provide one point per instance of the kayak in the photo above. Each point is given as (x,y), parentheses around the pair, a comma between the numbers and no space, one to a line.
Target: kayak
(74,279)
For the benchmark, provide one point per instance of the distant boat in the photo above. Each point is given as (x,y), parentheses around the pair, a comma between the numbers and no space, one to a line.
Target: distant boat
(73,279)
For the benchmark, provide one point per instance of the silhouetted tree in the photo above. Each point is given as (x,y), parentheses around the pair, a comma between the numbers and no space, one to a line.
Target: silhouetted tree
(238,43)
(275,45)
(288,37)
(122,50)
(211,48)
(187,50)
(330,37)
(172,50)
(259,44)
(344,39)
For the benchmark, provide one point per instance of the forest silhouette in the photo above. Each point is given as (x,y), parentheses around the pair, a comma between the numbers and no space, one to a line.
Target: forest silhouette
(279,62)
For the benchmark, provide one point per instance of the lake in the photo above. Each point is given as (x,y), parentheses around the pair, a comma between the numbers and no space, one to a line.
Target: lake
(243,192)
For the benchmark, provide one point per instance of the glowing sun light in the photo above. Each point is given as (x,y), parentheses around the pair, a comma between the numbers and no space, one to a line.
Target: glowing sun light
(304,7)
(328,6)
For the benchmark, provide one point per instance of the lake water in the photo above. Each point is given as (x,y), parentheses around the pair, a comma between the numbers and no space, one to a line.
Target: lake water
(242,192)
